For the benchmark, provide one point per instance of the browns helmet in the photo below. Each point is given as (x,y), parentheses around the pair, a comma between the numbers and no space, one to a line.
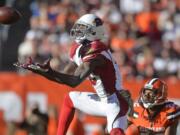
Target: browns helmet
(153,93)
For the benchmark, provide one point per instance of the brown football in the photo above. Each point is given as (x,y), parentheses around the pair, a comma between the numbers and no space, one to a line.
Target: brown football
(9,15)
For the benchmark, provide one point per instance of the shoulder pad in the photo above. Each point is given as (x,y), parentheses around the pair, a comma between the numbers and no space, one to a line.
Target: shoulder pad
(92,50)
(172,110)
(171,105)
(96,47)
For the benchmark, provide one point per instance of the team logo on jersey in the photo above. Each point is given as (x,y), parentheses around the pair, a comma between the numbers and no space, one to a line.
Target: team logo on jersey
(90,51)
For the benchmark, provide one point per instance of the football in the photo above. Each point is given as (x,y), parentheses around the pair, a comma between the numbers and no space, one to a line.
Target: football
(9,15)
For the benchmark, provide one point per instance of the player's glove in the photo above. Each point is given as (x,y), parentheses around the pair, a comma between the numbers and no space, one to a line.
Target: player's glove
(35,67)
(127,96)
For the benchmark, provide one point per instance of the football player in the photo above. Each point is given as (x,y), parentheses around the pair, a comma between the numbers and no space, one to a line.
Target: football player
(89,57)
(153,113)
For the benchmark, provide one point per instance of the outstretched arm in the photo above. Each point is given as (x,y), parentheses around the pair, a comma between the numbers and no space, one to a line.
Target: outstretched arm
(73,79)
(77,77)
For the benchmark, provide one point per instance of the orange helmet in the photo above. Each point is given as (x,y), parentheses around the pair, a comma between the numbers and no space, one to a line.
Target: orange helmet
(153,93)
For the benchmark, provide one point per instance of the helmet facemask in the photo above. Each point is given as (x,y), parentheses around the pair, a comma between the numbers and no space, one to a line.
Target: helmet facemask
(153,94)
(149,97)
(80,32)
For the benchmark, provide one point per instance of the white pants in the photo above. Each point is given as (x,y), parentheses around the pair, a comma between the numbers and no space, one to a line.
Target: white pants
(91,104)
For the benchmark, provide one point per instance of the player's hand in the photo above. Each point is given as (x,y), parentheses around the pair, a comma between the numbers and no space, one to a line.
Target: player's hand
(35,67)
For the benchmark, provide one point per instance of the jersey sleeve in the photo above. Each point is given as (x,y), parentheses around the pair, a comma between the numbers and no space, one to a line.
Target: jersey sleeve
(173,113)
(95,49)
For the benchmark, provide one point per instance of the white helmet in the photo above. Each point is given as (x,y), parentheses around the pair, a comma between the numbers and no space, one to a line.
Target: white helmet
(88,27)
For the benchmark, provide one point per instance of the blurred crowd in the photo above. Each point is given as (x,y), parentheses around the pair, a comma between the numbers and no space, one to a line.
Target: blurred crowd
(143,34)
(38,122)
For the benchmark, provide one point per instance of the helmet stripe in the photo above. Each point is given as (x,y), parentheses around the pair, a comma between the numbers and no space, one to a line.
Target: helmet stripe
(151,82)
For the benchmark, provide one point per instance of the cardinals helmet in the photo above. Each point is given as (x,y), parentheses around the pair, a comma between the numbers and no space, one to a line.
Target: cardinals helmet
(88,27)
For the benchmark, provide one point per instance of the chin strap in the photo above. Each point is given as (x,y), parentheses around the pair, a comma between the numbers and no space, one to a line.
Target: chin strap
(150,105)
(83,41)
(145,105)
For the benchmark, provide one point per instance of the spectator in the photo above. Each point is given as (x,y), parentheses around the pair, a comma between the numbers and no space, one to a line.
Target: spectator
(139,27)
(52,124)
(36,122)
